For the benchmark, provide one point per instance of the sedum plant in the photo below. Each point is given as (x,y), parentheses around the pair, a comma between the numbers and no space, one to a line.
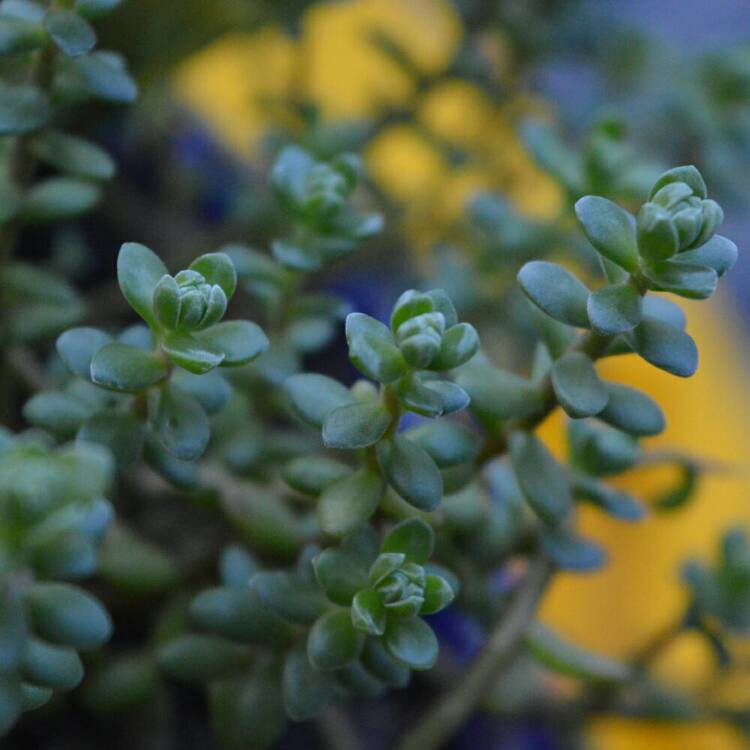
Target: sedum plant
(396,498)
(351,513)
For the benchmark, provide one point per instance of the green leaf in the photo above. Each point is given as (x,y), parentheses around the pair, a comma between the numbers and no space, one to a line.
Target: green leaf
(577,386)
(413,538)
(657,234)
(632,411)
(239,614)
(499,393)
(448,442)
(139,270)
(103,75)
(217,268)
(687,174)
(412,642)
(307,690)
(442,303)
(58,413)
(460,344)
(70,32)
(615,309)
(67,616)
(693,282)
(210,390)
(665,347)
(51,666)
(410,304)
(78,346)
(310,475)
(33,697)
(198,659)
(356,425)
(349,503)
(296,257)
(612,501)
(121,684)
(333,642)
(191,353)
(570,551)
(570,660)
(411,471)
(314,396)
(601,450)
(122,434)
(59,199)
(22,109)
(438,594)
(382,665)
(385,564)
(453,397)
(416,396)
(291,597)
(718,253)
(72,155)
(360,324)
(555,291)
(610,229)
(119,367)
(376,358)
(134,566)
(181,425)
(241,341)
(290,171)
(541,479)
(368,612)
(341,574)
(665,310)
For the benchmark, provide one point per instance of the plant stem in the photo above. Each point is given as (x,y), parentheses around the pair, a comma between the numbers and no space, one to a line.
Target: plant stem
(440,724)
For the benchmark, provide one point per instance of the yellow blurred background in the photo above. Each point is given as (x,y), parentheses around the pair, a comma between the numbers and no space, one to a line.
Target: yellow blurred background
(238,87)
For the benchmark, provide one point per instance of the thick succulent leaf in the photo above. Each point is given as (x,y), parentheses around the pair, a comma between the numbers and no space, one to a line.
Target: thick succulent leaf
(119,367)
(615,309)
(577,386)
(610,229)
(684,279)
(718,253)
(665,347)
(411,642)
(314,396)
(191,353)
(632,411)
(181,424)
(413,538)
(411,471)
(333,642)
(217,268)
(555,291)
(571,660)
(241,341)
(138,272)
(71,33)
(570,551)
(541,479)
(349,503)
(356,425)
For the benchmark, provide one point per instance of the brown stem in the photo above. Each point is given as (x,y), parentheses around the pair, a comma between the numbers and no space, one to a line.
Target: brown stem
(445,718)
